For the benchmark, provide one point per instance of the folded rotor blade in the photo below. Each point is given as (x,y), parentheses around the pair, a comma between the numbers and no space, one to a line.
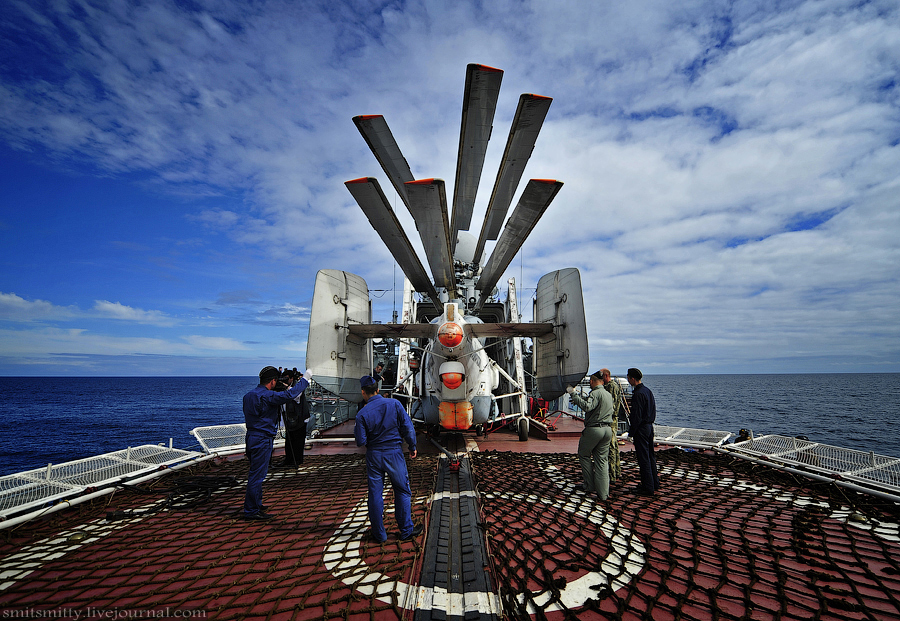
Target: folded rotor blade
(428,204)
(398,330)
(503,330)
(479,105)
(375,205)
(530,115)
(534,202)
(378,136)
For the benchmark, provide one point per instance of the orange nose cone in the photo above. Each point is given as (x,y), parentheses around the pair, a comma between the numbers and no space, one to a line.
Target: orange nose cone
(452,380)
(450,334)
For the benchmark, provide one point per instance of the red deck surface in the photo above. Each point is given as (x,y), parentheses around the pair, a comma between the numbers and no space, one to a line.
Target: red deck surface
(721,540)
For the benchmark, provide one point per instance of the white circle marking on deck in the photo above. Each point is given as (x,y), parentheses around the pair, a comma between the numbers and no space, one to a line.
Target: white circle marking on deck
(625,560)
(343,559)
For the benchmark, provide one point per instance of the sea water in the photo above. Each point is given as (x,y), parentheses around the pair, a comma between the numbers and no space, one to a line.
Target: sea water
(857,411)
(58,419)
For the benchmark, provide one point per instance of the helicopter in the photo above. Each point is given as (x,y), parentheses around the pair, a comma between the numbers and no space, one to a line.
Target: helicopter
(460,362)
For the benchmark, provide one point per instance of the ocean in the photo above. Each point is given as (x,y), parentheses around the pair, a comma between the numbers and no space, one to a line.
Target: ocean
(58,419)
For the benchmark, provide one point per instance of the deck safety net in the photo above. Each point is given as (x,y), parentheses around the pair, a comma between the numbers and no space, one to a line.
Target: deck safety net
(862,467)
(684,436)
(313,561)
(45,486)
(225,439)
(221,438)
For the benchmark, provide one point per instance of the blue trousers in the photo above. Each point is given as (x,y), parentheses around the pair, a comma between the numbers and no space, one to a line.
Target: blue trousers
(259,452)
(646,457)
(390,462)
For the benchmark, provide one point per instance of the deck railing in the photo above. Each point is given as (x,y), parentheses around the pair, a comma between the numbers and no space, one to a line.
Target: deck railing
(685,436)
(861,467)
(43,488)
(864,471)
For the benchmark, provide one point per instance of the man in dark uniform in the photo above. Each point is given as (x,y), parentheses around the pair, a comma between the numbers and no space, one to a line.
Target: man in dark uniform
(377,373)
(262,409)
(381,426)
(296,418)
(643,415)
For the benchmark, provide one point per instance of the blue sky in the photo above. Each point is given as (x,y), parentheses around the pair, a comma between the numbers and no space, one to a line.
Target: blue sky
(171,174)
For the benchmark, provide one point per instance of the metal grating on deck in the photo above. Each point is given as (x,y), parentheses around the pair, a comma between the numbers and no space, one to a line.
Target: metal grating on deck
(225,439)
(684,436)
(221,438)
(862,467)
(44,486)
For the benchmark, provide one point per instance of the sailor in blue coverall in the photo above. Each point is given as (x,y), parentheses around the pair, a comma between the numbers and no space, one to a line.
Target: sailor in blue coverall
(262,411)
(381,426)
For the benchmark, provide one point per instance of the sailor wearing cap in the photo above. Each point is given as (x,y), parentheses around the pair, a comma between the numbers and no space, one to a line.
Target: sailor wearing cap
(640,428)
(381,426)
(262,410)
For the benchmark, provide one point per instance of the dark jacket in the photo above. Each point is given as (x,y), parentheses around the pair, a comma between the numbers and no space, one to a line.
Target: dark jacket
(262,407)
(643,408)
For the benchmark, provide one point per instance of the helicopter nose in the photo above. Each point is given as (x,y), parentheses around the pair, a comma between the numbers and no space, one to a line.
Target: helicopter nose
(450,334)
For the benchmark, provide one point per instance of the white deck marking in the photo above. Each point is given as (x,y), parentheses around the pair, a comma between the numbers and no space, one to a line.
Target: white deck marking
(342,557)
(625,560)
(889,531)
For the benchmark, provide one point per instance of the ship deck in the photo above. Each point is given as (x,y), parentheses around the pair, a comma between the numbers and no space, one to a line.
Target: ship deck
(723,539)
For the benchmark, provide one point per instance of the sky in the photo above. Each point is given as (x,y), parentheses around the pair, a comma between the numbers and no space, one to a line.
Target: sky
(172,174)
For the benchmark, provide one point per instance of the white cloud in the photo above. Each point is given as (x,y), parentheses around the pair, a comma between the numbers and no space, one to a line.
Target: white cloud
(730,170)
(215,343)
(115,310)
(294,346)
(16,308)
(55,341)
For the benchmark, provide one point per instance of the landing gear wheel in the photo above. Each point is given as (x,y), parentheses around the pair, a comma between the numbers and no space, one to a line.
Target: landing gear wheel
(479,430)
(523,429)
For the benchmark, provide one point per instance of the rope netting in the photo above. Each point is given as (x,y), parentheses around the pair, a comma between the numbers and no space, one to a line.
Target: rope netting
(179,543)
(723,539)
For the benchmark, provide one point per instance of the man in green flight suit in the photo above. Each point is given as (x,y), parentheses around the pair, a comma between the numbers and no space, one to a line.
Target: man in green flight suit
(593,447)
